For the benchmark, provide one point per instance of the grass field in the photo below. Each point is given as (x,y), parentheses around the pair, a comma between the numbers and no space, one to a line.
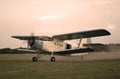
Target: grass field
(26,69)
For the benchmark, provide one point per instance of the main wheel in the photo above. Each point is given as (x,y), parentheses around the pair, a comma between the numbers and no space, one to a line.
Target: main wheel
(34,59)
(52,59)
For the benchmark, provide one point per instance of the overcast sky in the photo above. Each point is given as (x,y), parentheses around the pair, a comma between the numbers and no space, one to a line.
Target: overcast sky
(52,17)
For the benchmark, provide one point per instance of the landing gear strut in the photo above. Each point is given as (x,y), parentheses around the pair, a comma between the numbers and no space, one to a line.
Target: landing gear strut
(35,58)
(52,57)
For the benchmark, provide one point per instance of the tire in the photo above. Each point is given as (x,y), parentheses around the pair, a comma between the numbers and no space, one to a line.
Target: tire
(53,59)
(34,59)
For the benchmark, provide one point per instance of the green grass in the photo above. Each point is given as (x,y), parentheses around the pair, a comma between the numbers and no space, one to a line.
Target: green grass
(26,69)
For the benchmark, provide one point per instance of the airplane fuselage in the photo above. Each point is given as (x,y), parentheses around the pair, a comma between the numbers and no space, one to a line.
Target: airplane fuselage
(51,46)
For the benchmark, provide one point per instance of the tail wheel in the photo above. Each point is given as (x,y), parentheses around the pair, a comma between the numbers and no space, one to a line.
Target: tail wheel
(52,59)
(34,59)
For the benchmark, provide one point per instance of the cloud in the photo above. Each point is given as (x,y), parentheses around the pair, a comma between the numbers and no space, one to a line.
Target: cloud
(48,17)
(111,27)
(97,2)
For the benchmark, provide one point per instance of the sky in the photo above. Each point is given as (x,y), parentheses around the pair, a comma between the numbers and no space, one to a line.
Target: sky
(53,17)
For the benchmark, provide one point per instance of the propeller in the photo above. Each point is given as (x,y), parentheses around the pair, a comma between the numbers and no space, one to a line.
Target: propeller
(31,41)
(32,38)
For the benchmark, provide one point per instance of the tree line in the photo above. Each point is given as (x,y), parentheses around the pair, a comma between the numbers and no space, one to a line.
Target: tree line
(12,51)
(96,48)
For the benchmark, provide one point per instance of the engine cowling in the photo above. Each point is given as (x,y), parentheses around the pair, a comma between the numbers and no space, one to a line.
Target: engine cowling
(31,43)
(35,44)
(38,44)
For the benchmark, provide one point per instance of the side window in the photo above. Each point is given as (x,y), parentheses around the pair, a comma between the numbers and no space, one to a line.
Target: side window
(68,46)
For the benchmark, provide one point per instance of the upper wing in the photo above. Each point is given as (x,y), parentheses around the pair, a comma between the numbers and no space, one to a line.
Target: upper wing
(45,38)
(25,37)
(83,34)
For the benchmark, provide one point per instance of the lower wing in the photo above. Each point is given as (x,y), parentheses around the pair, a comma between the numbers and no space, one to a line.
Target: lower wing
(73,51)
(64,52)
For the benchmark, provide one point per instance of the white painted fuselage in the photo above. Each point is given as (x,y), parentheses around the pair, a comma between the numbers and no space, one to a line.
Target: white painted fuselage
(50,46)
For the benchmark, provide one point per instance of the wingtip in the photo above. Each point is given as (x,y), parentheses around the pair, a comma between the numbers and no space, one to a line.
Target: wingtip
(13,36)
(107,32)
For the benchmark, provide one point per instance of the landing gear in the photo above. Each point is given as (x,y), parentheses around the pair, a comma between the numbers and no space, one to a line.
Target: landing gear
(53,59)
(34,59)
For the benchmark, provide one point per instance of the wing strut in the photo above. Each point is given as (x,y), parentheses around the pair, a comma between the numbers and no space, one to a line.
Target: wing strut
(80,41)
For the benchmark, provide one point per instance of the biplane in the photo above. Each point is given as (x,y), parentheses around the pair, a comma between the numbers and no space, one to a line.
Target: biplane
(56,44)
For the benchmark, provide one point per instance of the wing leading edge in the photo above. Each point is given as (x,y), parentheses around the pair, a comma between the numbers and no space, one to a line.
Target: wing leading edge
(44,38)
(25,37)
(83,34)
